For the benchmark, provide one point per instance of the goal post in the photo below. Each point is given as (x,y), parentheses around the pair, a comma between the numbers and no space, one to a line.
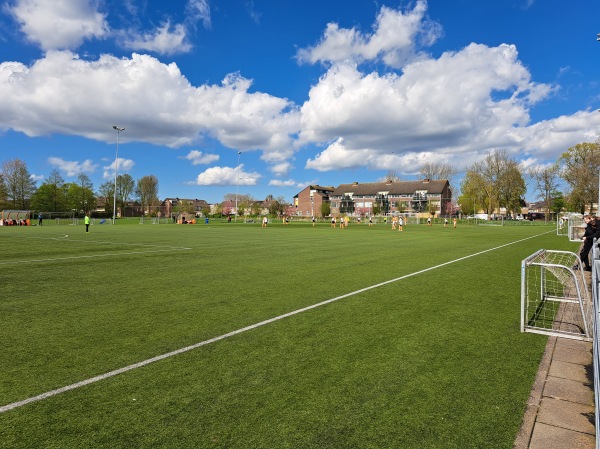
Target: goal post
(570,224)
(555,299)
(411,218)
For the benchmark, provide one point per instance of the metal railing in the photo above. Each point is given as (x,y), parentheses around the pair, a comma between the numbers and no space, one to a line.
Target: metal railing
(596,338)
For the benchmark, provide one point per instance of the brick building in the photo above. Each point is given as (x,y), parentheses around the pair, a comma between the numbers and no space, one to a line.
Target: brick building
(308,202)
(424,196)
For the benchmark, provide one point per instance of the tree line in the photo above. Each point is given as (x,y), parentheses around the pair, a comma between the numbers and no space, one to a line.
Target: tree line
(494,182)
(498,181)
(18,190)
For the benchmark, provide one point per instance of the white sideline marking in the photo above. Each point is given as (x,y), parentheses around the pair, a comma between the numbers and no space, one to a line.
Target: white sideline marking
(159,249)
(92,256)
(100,377)
(99,242)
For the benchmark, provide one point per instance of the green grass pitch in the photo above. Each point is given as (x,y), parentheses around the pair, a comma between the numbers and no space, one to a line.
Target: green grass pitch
(432,360)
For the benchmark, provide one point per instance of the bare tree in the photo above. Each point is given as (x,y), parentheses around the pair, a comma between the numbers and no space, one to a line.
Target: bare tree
(391,176)
(437,170)
(19,184)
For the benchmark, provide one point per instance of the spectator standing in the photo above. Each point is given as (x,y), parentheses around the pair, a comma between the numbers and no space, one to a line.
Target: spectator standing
(591,232)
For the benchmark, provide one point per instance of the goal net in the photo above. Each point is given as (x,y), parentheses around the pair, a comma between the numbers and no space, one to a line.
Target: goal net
(411,218)
(555,299)
(570,224)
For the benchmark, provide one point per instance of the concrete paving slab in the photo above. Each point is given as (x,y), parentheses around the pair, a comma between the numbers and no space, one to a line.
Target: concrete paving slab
(569,390)
(568,415)
(571,343)
(535,398)
(573,354)
(550,437)
(570,371)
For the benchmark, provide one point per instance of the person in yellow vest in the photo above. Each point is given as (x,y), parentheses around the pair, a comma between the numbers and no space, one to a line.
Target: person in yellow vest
(87,222)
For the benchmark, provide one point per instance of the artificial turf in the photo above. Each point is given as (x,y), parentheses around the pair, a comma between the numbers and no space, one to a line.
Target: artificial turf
(433,360)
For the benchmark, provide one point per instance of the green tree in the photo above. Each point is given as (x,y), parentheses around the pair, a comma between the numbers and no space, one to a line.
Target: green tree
(494,182)
(106,191)
(325,208)
(256,207)
(125,187)
(546,182)
(466,204)
(579,167)
(243,206)
(87,199)
(277,205)
(184,207)
(557,203)
(274,208)
(511,186)
(147,191)
(3,192)
(79,195)
(51,195)
(19,184)
(376,208)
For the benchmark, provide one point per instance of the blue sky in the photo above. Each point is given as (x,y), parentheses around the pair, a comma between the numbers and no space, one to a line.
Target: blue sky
(298,91)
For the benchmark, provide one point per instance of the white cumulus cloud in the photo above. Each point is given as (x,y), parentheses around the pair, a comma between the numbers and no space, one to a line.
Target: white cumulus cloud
(472,100)
(164,40)
(282,183)
(198,158)
(59,24)
(394,40)
(123,166)
(227,176)
(73,168)
(198,11)
(59,94)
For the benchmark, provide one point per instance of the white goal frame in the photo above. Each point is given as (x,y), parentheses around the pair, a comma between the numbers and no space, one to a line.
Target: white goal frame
(555,299)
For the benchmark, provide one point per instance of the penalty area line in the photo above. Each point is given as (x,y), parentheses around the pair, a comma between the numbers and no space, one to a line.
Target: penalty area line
(91,380)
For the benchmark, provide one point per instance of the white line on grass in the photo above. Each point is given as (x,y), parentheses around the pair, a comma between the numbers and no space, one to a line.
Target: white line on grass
(100,377)
(98,242)
(92,256)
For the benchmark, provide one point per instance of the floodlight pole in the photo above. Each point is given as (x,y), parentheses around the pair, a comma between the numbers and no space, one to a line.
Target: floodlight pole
(237,186)
(118,130)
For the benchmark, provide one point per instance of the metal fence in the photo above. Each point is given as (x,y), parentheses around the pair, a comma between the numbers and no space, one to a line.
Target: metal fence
(596,339)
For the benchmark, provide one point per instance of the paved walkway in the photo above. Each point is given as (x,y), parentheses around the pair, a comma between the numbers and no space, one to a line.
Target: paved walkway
(560,409)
